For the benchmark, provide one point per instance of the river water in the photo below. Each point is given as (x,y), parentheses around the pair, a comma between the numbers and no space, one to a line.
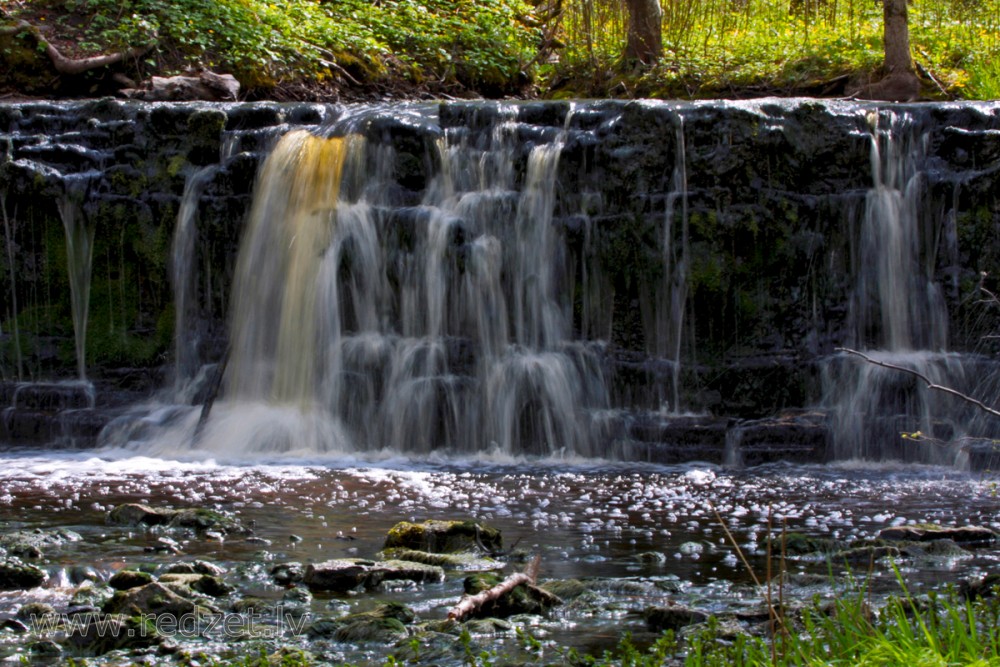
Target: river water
(585,519)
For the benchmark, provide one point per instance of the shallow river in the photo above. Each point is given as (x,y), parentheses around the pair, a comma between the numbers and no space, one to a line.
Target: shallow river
(585,519)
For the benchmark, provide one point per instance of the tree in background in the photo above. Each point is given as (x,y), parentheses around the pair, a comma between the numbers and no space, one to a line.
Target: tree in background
(645,39)
(900,83)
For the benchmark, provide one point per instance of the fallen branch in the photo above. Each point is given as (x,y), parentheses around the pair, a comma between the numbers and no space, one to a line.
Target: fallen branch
(470,604)
(930,384)
(74,66)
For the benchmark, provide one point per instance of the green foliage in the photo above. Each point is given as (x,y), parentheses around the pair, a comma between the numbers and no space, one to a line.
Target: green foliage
(726,47)
(267,42)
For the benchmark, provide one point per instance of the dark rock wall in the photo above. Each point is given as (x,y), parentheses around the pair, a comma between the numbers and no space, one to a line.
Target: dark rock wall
(774,196)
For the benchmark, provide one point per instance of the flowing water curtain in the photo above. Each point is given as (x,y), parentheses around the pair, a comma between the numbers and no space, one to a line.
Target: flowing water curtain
(79,262)
(276,331)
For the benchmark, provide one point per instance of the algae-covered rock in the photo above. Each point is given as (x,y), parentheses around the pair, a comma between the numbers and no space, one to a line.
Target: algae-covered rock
(444,536)
(567,589)
(651,557)
(123,580)
(152,599)
(985,587)
(488,627)
(467,561)
(201,583)
(672,617)
(36,611)
(32,544)
(866,554)
(197,567)
(199,519)
(800,544)
(17,575)
(134,514)
(345,574)
(286,574)
(89,598)
(112,632)
(965,535)
(384,624)
(204,520)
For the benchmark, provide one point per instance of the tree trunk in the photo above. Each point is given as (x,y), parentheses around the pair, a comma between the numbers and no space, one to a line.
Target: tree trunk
(900,82)
(645,42)
(897,38)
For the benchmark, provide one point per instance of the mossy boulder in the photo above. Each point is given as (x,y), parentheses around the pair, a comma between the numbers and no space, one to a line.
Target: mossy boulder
(385,624)
(437,536)
(127,579)
(18,575)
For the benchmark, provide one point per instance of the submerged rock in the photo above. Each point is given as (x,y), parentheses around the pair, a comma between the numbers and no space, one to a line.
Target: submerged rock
(113,632)
(197,518)
(17,575)
(672,617)
(286,574)
(384,624)
(32,544)
(197,567)
(986,587)
(36,611)
(966,535)
(345,574)
(152,599)
(201,583)
(134,514)
(445,536)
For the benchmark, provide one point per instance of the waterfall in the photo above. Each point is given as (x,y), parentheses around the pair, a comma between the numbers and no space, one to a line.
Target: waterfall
(674,290)
(182,273)
(897,313)
(360,324)
(79,261)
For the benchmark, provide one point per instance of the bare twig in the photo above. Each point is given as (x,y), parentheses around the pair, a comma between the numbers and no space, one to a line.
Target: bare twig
(930,384)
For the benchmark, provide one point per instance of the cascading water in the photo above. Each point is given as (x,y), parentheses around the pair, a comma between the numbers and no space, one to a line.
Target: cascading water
(673,299)
(182,273)
(361,324)
(897,313)
(79,261)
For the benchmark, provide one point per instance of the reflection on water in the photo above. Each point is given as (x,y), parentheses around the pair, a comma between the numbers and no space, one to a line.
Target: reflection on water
(586,520)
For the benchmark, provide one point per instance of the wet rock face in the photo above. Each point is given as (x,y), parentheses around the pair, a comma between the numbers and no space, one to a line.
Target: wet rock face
(772,191)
